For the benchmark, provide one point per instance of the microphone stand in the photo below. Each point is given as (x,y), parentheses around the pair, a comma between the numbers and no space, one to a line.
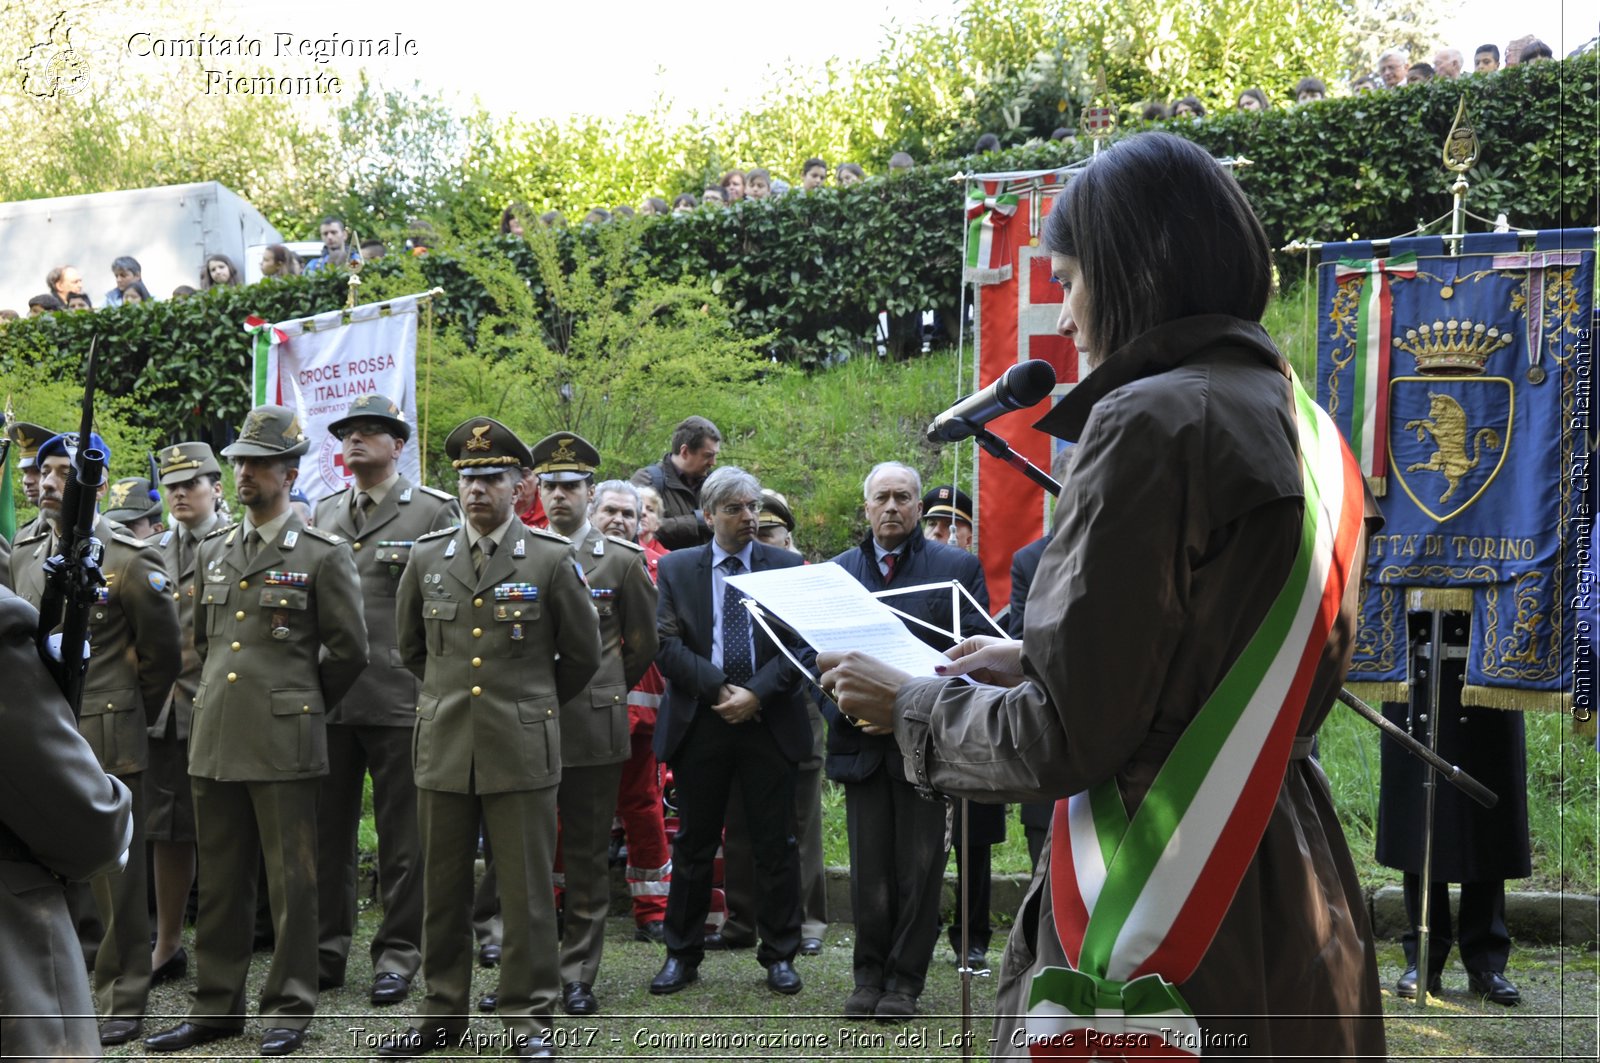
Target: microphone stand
(1451,773)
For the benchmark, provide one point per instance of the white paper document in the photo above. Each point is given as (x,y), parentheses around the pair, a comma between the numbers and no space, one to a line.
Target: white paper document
(831,610)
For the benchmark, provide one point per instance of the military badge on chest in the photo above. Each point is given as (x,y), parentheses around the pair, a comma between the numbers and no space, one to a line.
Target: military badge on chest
(604,600)
(282,595)
(515,602)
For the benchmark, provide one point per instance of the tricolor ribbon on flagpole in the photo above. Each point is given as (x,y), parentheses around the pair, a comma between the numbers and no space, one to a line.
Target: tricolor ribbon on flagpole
(1536,262)
(264,337)
(1369,414)
(1137,902)
(985,215)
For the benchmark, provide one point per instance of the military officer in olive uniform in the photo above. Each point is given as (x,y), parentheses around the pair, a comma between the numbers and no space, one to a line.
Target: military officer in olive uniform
(281,637)
(495,618)
(26,438)
(61,818)
(133,632)
(193,481)
(594,726)
(370,729)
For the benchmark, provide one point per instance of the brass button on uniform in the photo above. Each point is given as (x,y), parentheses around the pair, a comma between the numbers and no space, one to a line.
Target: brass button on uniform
(233,677)
(355,546)
(244,584)
(283,601)
(477,632)
(476,691)
(477,603)
(239,615)
(305,708)
(517,613)
(236,646)
(109,706)
(477,662)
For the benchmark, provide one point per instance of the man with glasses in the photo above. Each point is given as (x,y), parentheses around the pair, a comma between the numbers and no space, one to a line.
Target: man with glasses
(735,709)
(370,729)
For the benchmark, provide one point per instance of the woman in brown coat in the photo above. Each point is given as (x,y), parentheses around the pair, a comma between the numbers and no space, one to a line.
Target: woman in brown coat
(1184,525)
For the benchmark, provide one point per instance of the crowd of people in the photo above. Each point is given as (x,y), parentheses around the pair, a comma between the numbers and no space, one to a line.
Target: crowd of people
(64,284)
(258,669)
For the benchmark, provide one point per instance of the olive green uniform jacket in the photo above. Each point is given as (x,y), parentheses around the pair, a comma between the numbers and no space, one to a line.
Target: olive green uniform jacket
(386,693)
(134,637)
(495,667)
(282,637)
(61,817)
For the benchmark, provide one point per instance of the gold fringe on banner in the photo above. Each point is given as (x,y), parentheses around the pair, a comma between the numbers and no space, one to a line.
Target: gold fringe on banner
(1445,599)
(1372,693)
(1379,485)
(1516,700)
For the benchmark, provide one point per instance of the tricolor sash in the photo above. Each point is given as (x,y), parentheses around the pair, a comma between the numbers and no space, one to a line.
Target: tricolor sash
(1137,903)
(1374,331)
(986,218)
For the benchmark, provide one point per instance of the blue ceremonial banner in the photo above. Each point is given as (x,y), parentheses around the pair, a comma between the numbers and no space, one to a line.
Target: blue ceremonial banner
(1463,383)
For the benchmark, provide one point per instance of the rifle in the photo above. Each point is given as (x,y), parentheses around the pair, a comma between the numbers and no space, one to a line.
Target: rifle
(72,577)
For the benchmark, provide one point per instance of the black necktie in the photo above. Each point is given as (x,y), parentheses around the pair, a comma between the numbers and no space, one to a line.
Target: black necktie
(737,663)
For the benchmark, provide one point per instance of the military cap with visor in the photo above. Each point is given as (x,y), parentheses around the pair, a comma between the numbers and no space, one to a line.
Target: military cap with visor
(25,439)
(565,457)
(482,446)
(947,501)
(373,407)
(775,510)
(182,462)
(269,432)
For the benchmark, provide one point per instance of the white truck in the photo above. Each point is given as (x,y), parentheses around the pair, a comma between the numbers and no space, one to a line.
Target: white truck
(170,230)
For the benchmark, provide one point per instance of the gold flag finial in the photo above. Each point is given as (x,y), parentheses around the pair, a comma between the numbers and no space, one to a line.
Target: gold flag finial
(1461,143)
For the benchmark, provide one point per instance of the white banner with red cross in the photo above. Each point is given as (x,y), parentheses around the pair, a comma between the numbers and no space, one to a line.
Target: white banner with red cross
(318,366)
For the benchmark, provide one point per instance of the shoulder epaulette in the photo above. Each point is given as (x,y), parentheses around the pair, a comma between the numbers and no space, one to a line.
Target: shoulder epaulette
(219,530)
(323,534)
(443,496)
(440,534)
(630,544)
(39,532)
(165,537)
(122,535)
(557,536)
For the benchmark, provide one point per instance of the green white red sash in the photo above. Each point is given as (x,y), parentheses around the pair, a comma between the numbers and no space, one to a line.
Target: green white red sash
(988,257)
(1136,904)
(1369,411)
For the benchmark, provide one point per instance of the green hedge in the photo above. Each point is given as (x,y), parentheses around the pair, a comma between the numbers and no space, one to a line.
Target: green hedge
(810,273)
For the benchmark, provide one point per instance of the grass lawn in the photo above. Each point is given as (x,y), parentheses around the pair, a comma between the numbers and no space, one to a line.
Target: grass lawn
(1556,1021)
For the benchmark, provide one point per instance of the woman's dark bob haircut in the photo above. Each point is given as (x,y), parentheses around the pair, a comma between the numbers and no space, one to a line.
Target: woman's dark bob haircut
(1160,231)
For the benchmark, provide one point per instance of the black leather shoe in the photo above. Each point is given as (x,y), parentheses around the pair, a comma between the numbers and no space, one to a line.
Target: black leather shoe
(535,1048)
(186,1035)
(810,946)
(674,975)
(978,958)
(1406,988)
(783,978)
(177,966)
(277,1041)
(578,999)
(119,1031)
(1493,987)
(489,955)
(714,943)
(413,1042)
(655,931)
(326,983)
(488,1002)
(390,988)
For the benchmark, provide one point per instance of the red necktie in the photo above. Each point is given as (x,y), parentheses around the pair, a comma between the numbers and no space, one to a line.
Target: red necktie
(889,561)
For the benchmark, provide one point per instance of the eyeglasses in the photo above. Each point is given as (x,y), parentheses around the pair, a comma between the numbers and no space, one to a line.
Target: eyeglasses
(733,509)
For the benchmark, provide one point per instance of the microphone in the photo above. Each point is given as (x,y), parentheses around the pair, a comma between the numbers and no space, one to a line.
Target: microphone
(1024,384)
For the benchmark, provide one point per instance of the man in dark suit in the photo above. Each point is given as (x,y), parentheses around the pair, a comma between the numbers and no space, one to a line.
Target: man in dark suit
(381,515)
(734,709)
(896,836)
